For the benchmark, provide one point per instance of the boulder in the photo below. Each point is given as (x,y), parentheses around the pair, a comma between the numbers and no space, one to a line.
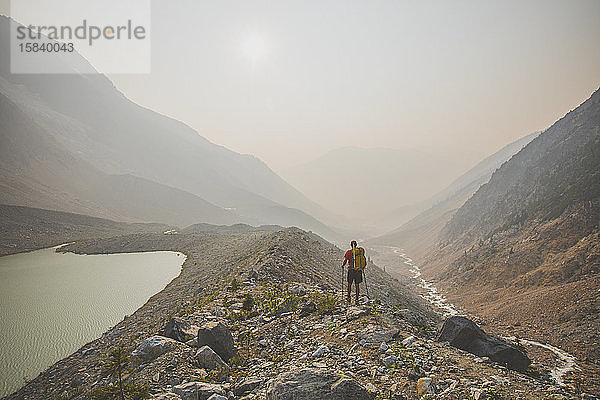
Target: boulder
(312,384)
(346,388)
(478,394)
(246,386)
(218,337)
(354,312)
(464,334)
(208,359)
(297,290)
(180,330)
(152,348)
(203,390)
(390,360)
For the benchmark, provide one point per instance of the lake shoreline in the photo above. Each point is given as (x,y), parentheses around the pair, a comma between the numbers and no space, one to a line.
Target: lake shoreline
(95,297)
(202,272)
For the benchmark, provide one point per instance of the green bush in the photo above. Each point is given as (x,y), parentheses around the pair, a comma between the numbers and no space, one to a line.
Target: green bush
(248,302)
(235,285)
(276,300)
(325,303)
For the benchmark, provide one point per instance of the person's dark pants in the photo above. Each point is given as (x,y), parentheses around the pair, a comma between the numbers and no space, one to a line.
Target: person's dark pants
(356,277)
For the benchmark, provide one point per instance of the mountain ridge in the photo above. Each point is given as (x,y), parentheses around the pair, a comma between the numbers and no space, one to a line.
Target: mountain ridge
(420,231)
(523,252)
(92,122)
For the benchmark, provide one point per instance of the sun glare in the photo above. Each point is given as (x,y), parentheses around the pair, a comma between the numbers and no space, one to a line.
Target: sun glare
(254,47)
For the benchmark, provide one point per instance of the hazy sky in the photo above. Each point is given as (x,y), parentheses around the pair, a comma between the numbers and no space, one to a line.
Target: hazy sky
(289,80)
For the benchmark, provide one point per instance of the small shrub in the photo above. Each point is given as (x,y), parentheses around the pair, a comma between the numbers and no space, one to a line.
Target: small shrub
(276,300)
(234,286)
(496,394)
(116,365)
(241,315)
(248,302)
(246,337)
(216,375)
(235,361)
(325,303)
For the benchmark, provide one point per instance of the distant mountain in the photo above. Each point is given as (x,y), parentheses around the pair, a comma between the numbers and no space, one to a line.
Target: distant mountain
(26,228)
(557,170)
(481,173)
(349,179)
(89,138)
(421,230)
(37,171)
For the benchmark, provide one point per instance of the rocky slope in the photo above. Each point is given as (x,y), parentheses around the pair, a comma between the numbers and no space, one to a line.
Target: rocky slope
(25,228)
(257,315)
(523,251)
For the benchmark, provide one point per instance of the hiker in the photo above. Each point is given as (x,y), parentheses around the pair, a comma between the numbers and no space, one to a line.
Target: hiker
(355,258)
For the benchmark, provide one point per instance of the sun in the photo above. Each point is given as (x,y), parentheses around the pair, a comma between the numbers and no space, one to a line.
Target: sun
(254,47)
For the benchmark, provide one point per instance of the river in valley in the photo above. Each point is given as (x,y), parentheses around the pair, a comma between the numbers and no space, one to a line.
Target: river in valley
(52,303)
(398,262)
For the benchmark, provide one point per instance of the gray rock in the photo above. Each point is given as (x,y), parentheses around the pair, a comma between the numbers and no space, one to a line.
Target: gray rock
(208,359)
(179,330)
(246,386)
(203,390)
(354,312)
(166,396)
(349,389)
(464,334)
(312,384)
(297,290)
(217,397)
(321,351)
(478,394)
(408,341)
(218,337)
(152,348)
(425,386)
(389,360)
(380,335)
(413,318)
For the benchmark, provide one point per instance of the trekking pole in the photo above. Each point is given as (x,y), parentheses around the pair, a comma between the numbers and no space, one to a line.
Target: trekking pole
(365,279)
(342,284)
